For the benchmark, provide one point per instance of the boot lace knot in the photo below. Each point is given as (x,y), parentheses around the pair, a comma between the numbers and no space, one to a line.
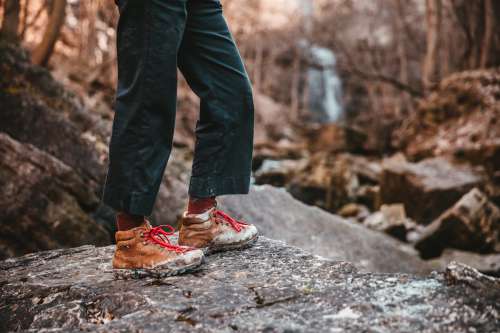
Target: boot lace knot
(158,235)
(235,224)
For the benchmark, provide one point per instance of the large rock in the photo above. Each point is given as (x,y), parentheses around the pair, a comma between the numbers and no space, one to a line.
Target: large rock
(38,110)
(331,180)
(278,172)
(271,119)
(279,216)
(44,204)
(426,188)
(472,224)
(271,287)
(458,273)
(485,263)
(459,118)
(392,220)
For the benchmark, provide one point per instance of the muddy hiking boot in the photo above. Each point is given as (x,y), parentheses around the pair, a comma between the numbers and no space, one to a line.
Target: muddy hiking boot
(215,231)
(147,252)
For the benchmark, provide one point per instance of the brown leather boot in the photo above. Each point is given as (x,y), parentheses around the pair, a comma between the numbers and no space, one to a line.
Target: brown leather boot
(215,231)
(147,252)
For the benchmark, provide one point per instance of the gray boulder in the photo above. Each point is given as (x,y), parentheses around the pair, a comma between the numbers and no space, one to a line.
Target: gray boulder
(44,204)
(485,263)
(331,181)
(472,224)
(40,111)
(426,188)
(279,216)
(271,287)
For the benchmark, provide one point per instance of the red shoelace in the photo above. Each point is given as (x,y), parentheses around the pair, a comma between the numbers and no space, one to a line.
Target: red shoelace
(159,236)
(235,224)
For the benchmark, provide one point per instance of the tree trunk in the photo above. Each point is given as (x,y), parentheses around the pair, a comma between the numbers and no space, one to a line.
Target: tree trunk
(399,27)
(24,21)
(401,46)
(475,21)
(430,74)
(10,24)
(489,23)
(43,51)
(294,93)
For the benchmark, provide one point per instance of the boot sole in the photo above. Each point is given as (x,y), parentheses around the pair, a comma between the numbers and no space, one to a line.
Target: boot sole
(230,247)
(157,272)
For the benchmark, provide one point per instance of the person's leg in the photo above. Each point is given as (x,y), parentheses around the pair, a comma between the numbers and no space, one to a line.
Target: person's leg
(211,64)
(148,38)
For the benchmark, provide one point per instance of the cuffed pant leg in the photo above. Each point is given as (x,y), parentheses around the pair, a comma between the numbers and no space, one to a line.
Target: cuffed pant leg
(211,63)
(149,35)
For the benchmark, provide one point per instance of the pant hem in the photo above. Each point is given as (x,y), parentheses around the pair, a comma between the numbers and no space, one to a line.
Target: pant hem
(135,203)
(205,187)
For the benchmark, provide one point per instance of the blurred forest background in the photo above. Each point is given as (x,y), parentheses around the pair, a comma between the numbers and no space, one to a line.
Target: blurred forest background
(384,113)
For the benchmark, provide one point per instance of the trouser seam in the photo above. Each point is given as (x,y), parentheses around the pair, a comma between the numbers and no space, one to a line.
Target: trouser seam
(145,78)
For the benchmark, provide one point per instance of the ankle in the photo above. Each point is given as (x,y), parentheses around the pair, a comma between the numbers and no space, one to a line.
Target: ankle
(126,221)
(200,205)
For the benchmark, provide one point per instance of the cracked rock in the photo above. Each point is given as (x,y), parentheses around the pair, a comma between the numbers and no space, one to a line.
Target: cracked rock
(271,287)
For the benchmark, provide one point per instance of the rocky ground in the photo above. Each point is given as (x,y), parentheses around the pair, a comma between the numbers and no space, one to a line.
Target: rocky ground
(271,287)
(438,190)
(437,197)
(324,234)
(55,147)
(54,157)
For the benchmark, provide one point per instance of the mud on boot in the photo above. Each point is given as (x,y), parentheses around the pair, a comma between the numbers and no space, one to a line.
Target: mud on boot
(147,252)
(215,231)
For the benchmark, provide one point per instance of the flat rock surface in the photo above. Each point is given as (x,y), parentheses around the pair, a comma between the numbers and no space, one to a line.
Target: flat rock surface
(271,287)
(279,216)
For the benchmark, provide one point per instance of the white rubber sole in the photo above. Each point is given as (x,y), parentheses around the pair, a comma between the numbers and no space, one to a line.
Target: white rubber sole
(216,248)
(157,272)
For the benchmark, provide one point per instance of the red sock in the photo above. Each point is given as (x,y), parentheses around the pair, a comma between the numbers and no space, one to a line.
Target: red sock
(126,221)
(200,205)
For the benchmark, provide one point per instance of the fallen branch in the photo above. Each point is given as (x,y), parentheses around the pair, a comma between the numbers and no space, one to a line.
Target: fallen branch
(386,79)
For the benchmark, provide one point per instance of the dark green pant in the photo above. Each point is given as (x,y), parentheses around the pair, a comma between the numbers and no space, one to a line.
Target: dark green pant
(155,37)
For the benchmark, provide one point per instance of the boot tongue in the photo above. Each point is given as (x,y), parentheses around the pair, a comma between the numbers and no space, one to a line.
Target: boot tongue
(199,218)
(146,224)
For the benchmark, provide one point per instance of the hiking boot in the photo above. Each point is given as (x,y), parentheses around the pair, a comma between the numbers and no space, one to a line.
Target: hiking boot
(147,252)
(215,231)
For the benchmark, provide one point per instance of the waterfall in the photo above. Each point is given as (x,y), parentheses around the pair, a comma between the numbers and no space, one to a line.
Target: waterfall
(323,83)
